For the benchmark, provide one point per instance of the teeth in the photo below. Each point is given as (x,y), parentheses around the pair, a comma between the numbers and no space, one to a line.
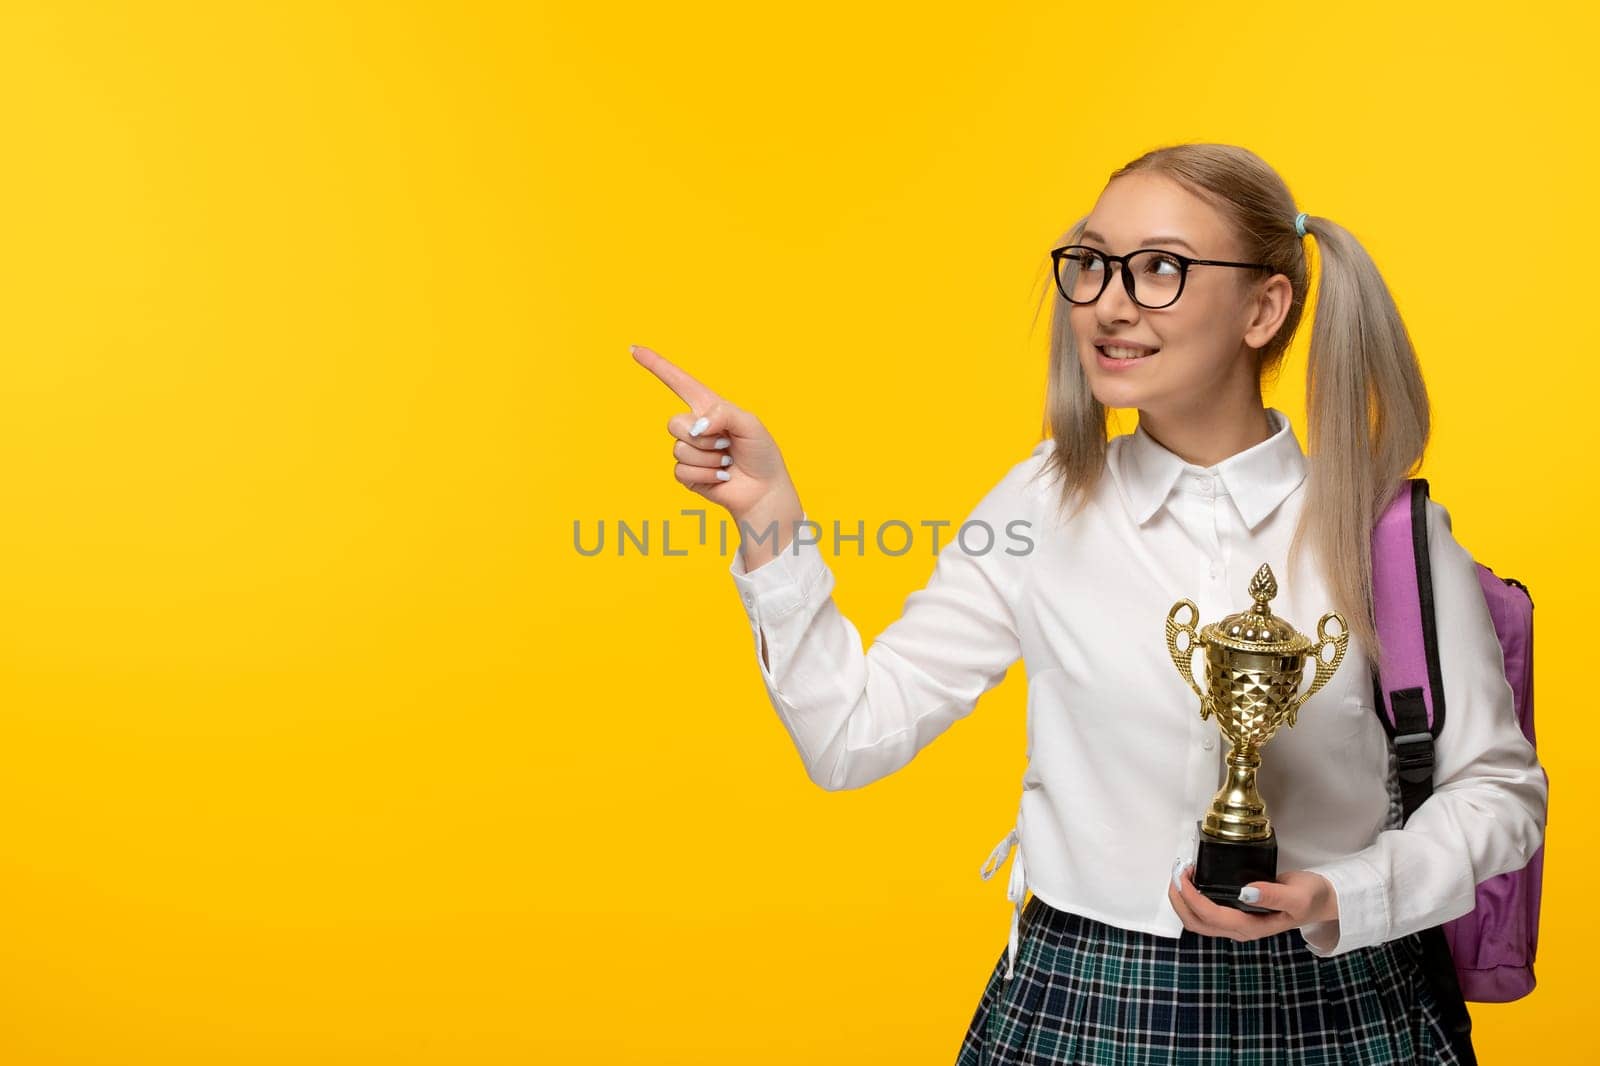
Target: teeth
(1125,353)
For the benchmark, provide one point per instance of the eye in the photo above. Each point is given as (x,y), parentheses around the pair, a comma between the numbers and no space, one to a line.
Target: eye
(1163,265)
(1088,261)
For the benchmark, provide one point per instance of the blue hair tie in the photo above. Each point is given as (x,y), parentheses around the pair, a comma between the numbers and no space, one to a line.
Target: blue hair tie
(1300,224)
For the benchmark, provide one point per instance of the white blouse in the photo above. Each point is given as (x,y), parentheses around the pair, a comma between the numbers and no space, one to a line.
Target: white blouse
(1120,765)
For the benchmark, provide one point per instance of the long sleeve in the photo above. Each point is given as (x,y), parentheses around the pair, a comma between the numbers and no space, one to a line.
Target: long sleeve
(856,716)
(1486,814)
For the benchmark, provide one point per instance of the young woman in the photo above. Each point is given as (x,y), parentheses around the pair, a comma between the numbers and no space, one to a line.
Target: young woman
(1176,295)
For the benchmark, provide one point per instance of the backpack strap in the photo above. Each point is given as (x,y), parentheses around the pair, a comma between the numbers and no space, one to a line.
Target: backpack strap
(1409,688)
(1408,685)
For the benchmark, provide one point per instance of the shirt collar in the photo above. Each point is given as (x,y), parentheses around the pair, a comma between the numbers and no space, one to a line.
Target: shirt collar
(1258,479)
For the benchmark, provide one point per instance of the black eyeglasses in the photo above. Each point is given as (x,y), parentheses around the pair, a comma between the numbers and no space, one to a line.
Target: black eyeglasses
(1154,278)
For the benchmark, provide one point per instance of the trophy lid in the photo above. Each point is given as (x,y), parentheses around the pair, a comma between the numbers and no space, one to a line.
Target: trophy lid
(1256,629)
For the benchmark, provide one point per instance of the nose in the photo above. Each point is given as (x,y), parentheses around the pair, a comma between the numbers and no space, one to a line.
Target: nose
(1115,303)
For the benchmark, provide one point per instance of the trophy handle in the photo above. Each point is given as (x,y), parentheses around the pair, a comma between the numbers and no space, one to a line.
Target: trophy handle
(1324,669)
(1184,660)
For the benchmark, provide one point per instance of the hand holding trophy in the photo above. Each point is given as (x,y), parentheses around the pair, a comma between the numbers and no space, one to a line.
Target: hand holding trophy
(1254,664)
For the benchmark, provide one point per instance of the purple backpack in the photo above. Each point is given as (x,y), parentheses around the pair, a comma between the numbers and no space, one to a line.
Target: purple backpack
(1487,954)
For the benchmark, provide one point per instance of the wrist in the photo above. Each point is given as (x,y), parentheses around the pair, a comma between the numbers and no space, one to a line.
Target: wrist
(769,526)
(1326,907)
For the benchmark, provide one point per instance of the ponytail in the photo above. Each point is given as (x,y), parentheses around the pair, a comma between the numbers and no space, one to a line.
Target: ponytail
(1368,420)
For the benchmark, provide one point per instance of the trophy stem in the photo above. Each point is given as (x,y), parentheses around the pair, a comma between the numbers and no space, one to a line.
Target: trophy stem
(1237,812)
(1237,845)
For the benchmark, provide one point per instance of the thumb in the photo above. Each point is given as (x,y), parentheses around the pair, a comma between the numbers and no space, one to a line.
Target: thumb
(728,419)
(1273,896)
(1295,893)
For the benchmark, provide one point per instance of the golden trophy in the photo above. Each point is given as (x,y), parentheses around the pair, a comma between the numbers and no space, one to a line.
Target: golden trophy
(1255,662)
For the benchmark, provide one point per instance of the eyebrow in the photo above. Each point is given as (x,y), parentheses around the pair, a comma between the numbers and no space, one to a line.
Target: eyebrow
(1148,241)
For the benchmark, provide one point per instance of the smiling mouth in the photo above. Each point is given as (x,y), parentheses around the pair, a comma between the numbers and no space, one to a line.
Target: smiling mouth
(1123,356)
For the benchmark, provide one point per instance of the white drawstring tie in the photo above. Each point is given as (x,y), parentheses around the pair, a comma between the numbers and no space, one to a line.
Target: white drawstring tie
(1015,889)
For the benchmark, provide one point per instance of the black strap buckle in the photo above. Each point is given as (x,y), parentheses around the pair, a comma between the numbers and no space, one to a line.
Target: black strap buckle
(1414,756)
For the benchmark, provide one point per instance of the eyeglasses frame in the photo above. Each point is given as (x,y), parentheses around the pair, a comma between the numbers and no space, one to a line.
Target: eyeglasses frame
(1184,263)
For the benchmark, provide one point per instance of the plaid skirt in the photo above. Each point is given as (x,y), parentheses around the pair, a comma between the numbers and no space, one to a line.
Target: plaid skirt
(1084,992)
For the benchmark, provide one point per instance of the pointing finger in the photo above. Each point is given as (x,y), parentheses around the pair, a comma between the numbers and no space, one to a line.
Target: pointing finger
(692,392)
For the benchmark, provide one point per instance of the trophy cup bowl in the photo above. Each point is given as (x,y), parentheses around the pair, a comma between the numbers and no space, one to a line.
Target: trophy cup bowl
(1255,662)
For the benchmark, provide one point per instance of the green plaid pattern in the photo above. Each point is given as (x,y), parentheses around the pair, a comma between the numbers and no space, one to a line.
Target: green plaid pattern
(1089,993)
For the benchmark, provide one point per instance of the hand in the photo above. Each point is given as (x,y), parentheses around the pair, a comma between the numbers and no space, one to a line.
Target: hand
(1296,897)
(757,468)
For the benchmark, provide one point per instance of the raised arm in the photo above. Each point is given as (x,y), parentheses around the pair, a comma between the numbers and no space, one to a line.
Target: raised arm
(856,715)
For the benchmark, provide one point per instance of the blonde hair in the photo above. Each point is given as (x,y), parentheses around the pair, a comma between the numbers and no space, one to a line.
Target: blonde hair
(1366,403)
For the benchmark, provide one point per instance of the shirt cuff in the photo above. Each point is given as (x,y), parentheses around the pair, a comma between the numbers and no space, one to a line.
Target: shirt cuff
(1363,904)
(781,583)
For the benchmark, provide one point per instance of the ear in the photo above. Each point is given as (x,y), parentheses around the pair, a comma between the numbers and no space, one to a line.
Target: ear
(1269,307)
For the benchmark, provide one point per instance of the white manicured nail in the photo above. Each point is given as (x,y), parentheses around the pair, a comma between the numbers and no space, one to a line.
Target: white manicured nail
(726,459)
(722,442)
(700,426)
(1249,894)
(1177,875)
(723,475)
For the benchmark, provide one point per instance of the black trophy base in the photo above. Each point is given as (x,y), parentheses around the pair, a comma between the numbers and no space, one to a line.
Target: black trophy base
(1223,867)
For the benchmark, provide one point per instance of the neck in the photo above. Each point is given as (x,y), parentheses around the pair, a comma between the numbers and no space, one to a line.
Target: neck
(1206,436)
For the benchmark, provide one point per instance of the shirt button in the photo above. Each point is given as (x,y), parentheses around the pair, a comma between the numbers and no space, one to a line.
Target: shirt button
(1209,742)
(1214,571)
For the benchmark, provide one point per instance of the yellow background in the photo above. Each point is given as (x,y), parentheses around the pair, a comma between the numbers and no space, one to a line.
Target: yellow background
(320,743)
